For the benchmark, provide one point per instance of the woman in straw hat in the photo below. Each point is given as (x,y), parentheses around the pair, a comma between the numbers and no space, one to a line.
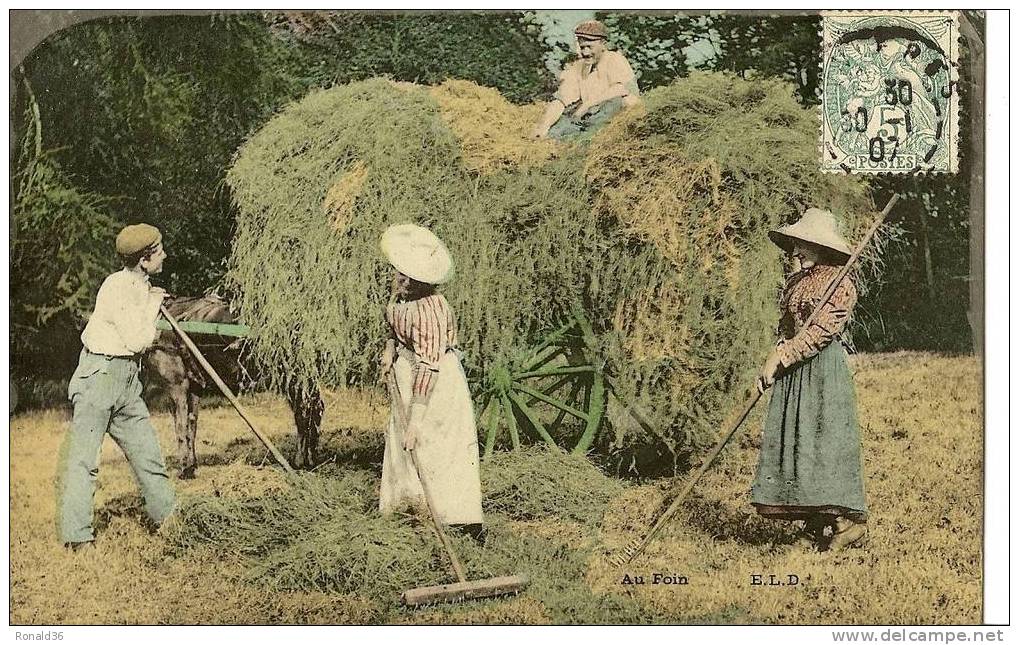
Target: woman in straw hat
(432,413)
(810,466)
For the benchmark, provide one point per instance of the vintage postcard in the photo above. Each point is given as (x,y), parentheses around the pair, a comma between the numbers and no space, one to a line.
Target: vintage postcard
(511,317)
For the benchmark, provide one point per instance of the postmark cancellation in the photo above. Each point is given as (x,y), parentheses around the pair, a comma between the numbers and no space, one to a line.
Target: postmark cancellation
(889,91)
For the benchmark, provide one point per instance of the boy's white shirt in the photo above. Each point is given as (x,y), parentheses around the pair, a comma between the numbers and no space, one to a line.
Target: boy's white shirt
(124,320)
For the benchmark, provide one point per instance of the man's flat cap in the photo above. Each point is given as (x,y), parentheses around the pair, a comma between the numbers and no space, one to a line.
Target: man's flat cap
(137,237)
(591,29)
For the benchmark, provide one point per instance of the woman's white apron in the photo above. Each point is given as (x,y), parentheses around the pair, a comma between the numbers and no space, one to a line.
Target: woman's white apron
(447,447)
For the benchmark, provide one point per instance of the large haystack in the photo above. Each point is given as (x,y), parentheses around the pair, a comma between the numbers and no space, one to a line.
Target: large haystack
(698,175)
(656,227)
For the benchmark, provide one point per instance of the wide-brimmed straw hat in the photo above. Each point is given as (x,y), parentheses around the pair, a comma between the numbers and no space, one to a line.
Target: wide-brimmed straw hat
(817,227)
(417,253)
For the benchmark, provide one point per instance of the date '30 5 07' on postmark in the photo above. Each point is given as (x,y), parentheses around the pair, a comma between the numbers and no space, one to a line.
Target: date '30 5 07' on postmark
(890,101)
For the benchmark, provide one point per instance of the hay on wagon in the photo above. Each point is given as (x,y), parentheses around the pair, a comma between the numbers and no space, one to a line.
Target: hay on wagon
(655,228)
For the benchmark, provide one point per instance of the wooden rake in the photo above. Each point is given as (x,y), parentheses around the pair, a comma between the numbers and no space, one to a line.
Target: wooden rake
(462,589)
(635,548)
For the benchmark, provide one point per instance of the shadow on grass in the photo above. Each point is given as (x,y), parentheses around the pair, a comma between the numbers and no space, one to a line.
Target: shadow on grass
(345,447)
(128,505)
(725,524)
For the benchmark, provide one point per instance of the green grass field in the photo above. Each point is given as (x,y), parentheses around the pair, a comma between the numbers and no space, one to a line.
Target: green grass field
(923,449)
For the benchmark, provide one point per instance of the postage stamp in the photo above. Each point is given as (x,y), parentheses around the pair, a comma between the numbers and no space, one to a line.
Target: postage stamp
(889,91)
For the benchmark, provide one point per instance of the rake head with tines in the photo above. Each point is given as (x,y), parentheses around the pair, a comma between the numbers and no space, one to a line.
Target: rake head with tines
(629,552)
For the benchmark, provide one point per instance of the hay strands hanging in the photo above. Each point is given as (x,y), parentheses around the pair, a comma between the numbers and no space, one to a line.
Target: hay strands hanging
(635,548)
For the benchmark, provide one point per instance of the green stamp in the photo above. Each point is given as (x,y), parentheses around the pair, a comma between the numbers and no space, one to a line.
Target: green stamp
(890,102)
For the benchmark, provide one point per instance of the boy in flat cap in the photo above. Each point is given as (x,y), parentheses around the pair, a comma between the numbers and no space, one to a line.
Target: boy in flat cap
(106,392)
(591,90)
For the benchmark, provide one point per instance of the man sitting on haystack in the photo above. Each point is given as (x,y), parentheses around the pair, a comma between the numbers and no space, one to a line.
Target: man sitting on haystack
(591,90)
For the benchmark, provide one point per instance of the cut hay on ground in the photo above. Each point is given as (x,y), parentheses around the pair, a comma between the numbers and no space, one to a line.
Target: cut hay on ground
(538,483)
(318,534)
(921,426)
(324,534)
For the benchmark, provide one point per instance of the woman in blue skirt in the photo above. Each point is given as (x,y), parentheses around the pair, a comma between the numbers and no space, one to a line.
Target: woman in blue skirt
(810,467)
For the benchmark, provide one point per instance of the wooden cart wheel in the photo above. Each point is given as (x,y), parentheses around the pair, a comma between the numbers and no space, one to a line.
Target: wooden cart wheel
(553,393)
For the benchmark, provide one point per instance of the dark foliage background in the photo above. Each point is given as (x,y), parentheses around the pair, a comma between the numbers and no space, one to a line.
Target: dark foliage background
(136,119)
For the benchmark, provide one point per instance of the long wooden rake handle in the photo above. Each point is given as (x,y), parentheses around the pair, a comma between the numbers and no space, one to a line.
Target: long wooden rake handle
(225,389)
(396,399)
(458,568)
(637,547)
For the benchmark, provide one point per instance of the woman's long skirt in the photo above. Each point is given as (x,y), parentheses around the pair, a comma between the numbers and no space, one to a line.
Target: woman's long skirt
(447,448)
(810,453)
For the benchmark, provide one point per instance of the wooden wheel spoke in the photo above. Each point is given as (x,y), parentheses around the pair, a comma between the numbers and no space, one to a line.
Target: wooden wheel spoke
(570,398)
(534,420)
(551,401)
(484,405)
(543,358)
(556,371)
(554,337)
(555,386)
(492,426)
(511,421)
(596,404)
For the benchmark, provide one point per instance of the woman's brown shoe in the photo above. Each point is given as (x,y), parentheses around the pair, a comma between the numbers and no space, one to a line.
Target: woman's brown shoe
(848,534)
(812,537)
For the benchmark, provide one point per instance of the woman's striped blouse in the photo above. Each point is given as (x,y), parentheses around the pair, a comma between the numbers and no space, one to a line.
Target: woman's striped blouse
(427,327)
(802,292)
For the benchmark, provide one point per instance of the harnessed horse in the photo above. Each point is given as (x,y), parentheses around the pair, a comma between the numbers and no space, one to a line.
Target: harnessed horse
(172,368)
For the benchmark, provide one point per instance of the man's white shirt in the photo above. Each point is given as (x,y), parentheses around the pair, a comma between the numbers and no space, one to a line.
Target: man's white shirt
(124,320)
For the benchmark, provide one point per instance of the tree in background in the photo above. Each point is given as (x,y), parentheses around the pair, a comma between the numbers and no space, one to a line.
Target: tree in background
(664,46)
(494,49)
(127,120)
(653,44)
(924,297)
(770,45)
(148,112)
(61,240)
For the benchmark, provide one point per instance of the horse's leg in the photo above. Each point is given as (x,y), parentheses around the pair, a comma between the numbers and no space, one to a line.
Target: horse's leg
(181,395)
(307,406)
(191,433)
(171,369)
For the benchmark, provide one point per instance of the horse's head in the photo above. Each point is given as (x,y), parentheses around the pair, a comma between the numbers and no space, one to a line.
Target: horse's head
(208,308)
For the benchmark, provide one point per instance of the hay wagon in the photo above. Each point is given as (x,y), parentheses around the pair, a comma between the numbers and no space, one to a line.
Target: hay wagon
(227,330)
(559,377)
(631,268)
